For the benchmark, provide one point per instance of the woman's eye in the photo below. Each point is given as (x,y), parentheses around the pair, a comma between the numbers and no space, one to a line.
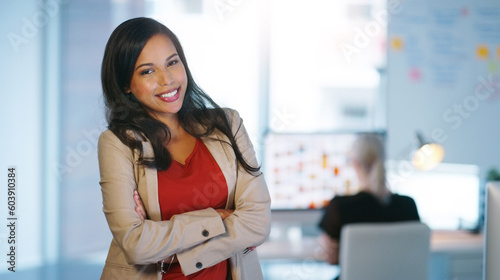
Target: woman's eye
(147,71)
(172,62)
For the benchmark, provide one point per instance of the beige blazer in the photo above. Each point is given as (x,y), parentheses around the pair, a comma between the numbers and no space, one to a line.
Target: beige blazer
(199,238)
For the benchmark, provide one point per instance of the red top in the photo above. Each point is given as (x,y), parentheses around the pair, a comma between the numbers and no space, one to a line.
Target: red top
(197,184)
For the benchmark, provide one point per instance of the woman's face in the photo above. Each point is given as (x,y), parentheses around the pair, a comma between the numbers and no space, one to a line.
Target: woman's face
(159,80)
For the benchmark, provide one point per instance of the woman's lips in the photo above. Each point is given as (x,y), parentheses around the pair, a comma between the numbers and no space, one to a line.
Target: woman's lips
(170,96)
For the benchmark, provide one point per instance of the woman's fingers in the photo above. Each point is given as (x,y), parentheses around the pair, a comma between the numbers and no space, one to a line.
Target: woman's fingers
(224,213)
(139,206)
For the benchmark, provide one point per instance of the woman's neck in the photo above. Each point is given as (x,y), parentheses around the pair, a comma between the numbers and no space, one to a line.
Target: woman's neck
(379,190)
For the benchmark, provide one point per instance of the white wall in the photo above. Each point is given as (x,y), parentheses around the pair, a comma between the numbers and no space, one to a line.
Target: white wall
(21,114)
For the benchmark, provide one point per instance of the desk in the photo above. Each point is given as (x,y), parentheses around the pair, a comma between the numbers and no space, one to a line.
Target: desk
(454,254)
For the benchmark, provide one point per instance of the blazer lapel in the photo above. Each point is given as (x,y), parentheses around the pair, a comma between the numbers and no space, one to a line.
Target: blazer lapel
(148,186)
(224,156)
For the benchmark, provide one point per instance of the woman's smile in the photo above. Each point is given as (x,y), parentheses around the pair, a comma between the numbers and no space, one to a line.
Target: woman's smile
(169,96)
(159,81)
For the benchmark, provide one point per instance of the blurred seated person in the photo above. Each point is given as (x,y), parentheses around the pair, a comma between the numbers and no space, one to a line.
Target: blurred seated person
(373,203)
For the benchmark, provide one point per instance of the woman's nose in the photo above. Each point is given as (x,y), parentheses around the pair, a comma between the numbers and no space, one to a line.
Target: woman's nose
(165,78)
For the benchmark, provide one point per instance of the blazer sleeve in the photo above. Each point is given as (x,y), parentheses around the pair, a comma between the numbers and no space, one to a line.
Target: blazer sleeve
(250,223)
(144,242)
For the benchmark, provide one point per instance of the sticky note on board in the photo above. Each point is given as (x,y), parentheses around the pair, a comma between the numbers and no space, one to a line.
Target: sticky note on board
(482,51)
(492,67)
(397,43)
(415,74)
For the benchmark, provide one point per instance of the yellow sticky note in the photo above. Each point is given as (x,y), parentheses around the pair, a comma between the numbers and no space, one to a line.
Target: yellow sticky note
(482,51)
(397,43)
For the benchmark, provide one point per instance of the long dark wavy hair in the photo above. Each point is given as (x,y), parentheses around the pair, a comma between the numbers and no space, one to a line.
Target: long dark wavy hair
(199,114)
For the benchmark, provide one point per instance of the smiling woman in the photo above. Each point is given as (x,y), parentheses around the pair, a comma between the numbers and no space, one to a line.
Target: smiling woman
(159,81)
(182,191)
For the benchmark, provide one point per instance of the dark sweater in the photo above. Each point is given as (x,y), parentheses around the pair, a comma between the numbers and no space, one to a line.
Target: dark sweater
(366,208)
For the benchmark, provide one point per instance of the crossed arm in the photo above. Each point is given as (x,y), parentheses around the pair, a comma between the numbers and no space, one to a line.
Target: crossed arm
(141,210)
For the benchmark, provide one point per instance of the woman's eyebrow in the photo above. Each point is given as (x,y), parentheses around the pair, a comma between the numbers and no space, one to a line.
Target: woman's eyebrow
(150,64)
(170,57)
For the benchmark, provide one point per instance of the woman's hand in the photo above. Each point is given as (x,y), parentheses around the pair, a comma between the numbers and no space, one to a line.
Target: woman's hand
(329,248)
(139,206)
(224,213)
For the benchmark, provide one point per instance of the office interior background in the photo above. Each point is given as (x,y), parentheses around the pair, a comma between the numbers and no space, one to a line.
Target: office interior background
(306,76)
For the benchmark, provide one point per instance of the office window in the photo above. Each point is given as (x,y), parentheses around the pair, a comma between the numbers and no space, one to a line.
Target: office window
(325,64)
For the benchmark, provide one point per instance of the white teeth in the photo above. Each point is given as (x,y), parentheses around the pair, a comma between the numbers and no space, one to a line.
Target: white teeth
(168,95)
